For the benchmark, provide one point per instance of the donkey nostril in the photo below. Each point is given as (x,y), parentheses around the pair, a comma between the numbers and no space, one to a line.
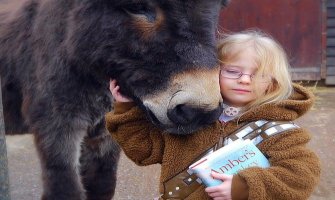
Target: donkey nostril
(182,114)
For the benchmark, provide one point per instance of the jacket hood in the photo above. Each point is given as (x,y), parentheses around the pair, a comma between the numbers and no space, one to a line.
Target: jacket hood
(290,109)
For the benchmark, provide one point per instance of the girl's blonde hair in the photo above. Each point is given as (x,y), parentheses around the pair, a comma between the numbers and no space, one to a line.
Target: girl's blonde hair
(271,59)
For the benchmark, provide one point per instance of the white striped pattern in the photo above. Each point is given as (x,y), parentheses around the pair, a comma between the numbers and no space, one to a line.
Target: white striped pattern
(269,132)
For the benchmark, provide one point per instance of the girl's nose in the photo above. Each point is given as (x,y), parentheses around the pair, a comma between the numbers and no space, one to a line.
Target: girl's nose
(245,78)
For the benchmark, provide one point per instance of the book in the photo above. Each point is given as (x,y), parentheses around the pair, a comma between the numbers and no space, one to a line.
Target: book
(229,159)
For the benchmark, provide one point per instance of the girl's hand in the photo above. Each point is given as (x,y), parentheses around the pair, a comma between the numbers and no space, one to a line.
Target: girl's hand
(222,191)
(114,88)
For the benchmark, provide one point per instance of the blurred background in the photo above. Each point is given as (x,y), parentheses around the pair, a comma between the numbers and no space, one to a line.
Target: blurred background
(306,29)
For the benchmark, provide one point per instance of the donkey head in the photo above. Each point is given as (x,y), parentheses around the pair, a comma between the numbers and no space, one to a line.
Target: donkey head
(162,54)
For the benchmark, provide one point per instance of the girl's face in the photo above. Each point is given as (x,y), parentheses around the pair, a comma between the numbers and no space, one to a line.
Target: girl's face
(236,80)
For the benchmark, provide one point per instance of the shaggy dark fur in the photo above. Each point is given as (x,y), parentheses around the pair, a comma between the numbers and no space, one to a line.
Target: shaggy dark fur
(56,59)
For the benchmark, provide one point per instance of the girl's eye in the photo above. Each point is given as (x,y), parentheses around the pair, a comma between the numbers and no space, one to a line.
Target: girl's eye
(232,71)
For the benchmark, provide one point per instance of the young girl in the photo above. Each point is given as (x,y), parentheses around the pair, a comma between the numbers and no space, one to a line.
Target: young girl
(255,84)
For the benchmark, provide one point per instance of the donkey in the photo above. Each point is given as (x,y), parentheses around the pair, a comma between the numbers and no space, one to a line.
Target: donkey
(56,60)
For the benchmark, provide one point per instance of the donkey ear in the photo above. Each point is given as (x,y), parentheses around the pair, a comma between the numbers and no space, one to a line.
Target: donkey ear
(224,3)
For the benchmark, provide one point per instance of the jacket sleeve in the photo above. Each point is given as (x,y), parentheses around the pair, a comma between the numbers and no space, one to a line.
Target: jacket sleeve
(294,171)
(140,140)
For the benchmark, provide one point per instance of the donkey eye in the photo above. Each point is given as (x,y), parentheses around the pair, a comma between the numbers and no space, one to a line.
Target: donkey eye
(140,10)
(136,8)
(224,3)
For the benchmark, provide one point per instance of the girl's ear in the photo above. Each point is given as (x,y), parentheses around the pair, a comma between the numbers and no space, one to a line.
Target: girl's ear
(272,86)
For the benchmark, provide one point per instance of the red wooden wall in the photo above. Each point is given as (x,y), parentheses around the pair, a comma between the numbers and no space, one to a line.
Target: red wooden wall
(296,24)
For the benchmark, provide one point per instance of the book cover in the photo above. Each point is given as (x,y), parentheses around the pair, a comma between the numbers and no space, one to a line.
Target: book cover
(230,159)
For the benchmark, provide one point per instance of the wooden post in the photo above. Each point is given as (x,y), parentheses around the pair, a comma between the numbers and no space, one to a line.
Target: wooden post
(330,71)
(4,181)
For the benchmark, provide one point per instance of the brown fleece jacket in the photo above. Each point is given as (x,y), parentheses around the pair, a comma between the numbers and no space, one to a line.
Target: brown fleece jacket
(294,170)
